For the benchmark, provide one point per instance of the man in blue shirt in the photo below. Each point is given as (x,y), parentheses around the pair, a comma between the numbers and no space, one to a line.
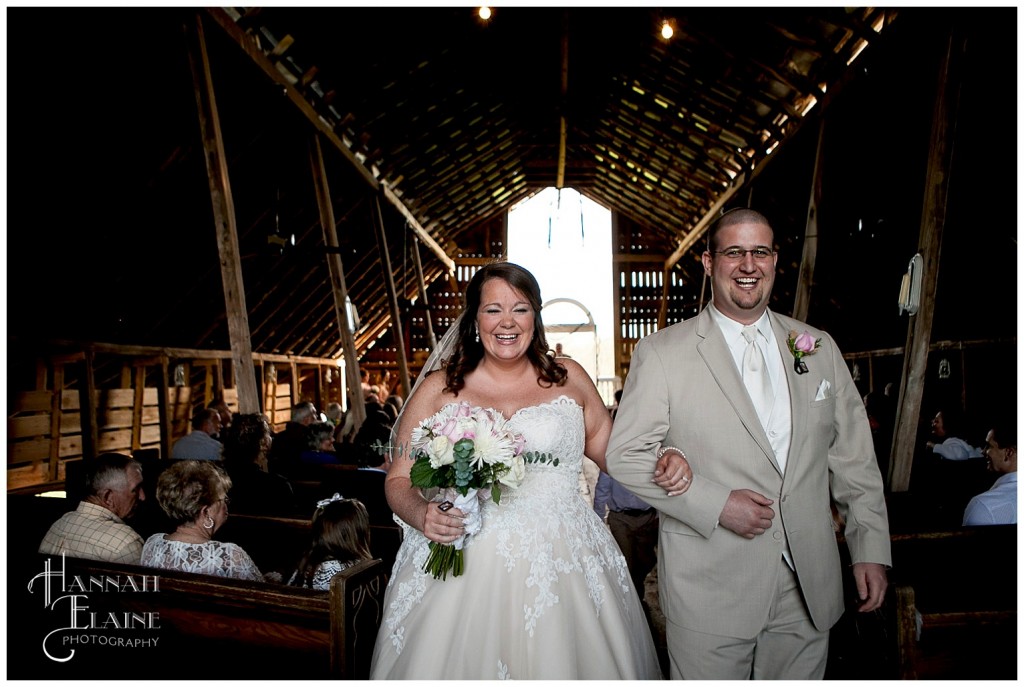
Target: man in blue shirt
(200,443)
(998,505)
(634,525)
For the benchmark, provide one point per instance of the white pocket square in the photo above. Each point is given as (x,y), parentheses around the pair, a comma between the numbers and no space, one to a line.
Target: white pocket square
(823,390)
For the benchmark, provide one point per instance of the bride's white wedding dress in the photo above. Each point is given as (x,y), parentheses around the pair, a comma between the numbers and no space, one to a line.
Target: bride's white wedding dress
(545,593)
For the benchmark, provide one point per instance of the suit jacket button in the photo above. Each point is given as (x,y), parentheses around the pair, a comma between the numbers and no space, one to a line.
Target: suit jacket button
(777,535)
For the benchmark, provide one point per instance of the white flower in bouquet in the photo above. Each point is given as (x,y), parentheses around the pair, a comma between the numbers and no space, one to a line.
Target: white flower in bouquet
(491,449)
(441,451)
(516,472)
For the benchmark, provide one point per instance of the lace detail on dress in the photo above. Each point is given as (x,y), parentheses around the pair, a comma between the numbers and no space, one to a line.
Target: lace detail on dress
(544,525)
(545,593)
(222,559)
(323,574)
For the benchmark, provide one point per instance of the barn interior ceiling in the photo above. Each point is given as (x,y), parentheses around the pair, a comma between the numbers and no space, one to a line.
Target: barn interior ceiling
(437,118)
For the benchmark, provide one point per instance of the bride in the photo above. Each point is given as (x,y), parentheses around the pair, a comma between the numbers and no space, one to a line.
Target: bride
(545,593)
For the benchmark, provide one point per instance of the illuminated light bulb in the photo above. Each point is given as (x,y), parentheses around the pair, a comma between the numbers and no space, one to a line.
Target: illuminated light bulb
(666,30)
(485,13)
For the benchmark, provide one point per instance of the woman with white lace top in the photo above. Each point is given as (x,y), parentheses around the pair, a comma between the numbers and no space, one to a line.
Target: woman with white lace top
(194,494)
(544,592)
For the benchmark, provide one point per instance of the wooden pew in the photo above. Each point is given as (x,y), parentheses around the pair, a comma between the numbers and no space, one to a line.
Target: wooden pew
(955,603)
(243,629)
(974,645)
(959,583)
(276,544)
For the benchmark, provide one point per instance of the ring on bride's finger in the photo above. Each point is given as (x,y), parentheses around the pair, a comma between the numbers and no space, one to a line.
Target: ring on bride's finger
(445,506)
(686,479)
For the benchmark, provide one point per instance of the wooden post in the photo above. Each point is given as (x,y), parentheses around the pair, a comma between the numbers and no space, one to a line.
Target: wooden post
(162,397)
(88,406)
(389,282)
(224,222)
(933,220)
(337,272)
(318,390)
(293,371)
(421,285)
(802,300)
(618,316)
(663,309)
(137,404)
(56,413)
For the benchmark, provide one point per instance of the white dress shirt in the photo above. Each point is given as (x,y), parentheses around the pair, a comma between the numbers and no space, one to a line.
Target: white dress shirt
(779,427)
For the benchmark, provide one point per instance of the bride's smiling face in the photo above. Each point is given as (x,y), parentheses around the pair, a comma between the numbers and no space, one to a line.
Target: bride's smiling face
(504,320)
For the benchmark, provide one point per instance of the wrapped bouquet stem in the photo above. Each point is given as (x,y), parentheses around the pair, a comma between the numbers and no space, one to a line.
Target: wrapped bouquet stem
(449,557)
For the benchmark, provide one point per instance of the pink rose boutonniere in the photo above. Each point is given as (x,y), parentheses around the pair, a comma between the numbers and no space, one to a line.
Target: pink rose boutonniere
(799,346)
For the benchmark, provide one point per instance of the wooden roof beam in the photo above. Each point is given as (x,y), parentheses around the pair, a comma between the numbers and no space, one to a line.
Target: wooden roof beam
(255,53)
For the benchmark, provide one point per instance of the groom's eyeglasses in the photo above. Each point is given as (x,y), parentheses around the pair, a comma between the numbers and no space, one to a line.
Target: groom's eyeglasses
(735,253)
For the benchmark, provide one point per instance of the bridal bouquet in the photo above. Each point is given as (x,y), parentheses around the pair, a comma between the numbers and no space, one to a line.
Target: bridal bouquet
(463,449)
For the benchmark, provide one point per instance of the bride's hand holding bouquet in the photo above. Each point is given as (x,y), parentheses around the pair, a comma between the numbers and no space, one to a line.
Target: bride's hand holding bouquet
(462,450)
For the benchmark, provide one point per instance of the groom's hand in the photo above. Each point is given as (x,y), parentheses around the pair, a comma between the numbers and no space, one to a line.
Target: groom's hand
(747,513)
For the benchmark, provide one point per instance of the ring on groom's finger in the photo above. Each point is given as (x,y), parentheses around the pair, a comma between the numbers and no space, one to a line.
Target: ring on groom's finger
(686,479)
(445,506)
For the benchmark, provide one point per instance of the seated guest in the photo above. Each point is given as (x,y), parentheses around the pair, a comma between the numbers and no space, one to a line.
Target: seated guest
(194,494)
(319,445)
(96,529)
(375,431)
(396,400)
(367,485)
(225,413)
(291,441)
(201,443)
(341,538)
(945,442)
(998,505)
(335,413)
(256,490)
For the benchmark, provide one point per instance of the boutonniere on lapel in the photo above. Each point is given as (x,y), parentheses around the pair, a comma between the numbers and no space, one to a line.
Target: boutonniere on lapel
(799,346)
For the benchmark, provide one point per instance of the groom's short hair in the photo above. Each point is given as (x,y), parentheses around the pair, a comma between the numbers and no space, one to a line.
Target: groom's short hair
(735,216)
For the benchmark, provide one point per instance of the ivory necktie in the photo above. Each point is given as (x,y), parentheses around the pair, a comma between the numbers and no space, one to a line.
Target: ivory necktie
(755,375)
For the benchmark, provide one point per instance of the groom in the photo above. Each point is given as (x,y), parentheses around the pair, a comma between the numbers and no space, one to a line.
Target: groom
(749,571)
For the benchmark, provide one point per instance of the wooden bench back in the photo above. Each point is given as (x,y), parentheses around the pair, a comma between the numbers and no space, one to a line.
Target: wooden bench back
(955,603)
(276,544)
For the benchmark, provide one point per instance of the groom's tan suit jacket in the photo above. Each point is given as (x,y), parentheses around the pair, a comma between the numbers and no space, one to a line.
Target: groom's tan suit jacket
(683,390)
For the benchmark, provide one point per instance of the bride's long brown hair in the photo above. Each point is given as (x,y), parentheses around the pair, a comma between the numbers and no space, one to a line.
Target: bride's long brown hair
(469,351)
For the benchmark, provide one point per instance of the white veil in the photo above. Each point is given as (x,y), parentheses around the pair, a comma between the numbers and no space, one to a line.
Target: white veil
(440,355)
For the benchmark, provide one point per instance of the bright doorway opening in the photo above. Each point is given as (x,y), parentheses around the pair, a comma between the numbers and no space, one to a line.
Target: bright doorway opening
(565,239)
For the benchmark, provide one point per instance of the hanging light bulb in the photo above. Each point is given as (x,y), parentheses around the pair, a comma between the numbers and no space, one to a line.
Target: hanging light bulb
(485,13)
(666,29)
